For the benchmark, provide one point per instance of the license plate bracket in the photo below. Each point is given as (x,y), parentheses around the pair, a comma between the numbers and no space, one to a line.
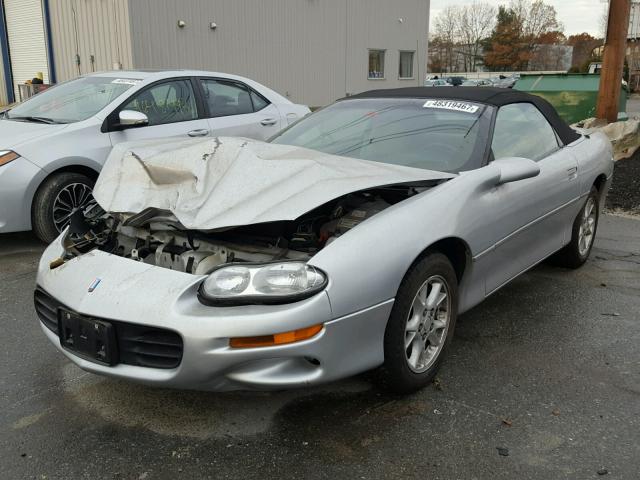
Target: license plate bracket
(87,337)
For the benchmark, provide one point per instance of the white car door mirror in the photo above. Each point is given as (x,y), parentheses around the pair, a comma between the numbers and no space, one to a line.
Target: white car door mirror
(515,169)
(132,119)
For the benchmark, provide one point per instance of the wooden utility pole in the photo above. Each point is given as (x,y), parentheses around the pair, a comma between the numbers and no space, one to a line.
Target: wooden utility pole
(615,47)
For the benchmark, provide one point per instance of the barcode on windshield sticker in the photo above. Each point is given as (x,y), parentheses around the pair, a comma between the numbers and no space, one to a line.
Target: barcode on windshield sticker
(451,105)
(126,81)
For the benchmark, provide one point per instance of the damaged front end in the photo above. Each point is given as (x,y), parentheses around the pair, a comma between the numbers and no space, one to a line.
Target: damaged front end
(259,263)
(248,215)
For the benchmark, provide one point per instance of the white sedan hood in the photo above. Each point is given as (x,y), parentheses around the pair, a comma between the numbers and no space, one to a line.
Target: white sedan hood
(227,181)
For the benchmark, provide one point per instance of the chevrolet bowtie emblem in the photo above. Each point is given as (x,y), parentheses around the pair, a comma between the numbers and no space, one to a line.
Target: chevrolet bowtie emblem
(94,285)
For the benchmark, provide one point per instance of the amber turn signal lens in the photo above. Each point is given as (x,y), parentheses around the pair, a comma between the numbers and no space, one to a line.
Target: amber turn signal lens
(7,156)
(276,338)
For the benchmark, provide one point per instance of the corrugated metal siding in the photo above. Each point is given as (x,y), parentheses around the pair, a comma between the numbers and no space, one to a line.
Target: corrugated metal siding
(27,46)
(312,51)
(89,27)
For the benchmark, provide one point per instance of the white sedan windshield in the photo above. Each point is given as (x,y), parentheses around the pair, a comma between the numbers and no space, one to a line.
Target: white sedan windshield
(72,101)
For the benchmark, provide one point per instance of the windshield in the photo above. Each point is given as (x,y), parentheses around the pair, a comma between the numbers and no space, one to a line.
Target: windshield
(72,101)
(445,135)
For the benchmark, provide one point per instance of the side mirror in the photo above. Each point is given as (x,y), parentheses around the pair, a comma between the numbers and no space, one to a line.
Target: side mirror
(516,168)
(132,119)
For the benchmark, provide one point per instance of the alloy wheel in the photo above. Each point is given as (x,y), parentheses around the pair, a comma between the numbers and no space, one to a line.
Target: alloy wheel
(587,228)
(70,199)
(427,324)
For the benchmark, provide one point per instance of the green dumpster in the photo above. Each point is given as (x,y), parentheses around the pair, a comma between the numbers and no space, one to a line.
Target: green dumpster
(574,95)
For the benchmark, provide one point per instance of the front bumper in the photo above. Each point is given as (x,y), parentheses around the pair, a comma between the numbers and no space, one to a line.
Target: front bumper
(19,180)
(146,295)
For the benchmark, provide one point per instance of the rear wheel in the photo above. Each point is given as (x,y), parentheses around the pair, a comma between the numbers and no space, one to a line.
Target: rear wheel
(421,325)
(576,252)
(57,199)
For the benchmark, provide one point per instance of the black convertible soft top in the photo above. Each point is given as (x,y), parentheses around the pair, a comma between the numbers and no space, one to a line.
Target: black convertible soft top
(487,95)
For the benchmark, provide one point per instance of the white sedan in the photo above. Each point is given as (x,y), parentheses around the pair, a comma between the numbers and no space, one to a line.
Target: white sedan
(53,146)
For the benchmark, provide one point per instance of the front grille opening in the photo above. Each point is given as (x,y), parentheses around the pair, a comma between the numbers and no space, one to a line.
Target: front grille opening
(46,309)
(138,345)
(148,347)
(313,361)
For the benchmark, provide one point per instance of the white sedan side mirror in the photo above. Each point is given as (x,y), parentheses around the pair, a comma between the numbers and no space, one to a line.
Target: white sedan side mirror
(132,118)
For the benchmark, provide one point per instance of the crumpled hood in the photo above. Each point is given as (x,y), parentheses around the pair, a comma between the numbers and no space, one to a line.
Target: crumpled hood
(227,181)
(14,132)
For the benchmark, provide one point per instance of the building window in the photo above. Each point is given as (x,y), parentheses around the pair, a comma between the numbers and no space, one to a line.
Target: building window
(406,65)
(376,64)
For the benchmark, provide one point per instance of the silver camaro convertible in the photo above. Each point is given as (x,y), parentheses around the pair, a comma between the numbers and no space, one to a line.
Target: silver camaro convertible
(351,241)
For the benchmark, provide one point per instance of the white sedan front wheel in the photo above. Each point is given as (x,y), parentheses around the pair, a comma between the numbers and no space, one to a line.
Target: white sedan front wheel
(57,199)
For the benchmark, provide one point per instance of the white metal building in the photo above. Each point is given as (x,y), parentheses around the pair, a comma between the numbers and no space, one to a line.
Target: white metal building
(312,51)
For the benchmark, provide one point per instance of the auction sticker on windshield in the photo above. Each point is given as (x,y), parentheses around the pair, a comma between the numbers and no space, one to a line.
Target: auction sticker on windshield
(452,105)
(126,81)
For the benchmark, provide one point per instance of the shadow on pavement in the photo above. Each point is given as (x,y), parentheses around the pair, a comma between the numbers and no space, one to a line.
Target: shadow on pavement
(20,242)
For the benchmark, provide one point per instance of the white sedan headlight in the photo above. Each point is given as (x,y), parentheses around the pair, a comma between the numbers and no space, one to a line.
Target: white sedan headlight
(271,283)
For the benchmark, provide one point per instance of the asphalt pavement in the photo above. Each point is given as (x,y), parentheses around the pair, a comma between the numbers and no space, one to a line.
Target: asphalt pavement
(542,382)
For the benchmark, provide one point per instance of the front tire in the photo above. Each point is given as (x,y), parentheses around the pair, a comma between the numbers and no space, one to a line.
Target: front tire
(59,196)
(585,225)
(421,325)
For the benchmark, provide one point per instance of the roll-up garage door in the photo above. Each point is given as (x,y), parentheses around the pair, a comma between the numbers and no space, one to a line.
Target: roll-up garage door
(27,44)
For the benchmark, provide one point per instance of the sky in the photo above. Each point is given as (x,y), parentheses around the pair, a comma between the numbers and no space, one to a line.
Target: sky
(577,15)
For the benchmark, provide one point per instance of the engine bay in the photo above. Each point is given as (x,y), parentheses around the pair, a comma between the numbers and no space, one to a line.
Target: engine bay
(155,237)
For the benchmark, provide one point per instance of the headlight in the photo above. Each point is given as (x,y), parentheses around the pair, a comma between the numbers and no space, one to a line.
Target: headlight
(272,283)
(7,156)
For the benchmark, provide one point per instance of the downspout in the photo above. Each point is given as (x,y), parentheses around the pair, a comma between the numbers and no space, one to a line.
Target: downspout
(115,23)
(420,74)
(47,26)
(75,29)
(6,59)
(346,49)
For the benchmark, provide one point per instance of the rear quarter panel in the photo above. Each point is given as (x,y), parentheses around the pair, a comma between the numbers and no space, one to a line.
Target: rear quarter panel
(290,113)
(594,155)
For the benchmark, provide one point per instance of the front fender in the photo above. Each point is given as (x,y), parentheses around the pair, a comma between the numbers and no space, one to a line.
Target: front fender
(366,265)
(72,161)
(19,181)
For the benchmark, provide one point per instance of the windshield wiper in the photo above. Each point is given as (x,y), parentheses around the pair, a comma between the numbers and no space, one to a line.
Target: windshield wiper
(46,120)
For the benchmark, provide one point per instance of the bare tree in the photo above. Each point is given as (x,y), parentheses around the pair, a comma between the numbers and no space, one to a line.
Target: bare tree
(536,19)
(604,21)
(475,22)
(446,31)
(459,31)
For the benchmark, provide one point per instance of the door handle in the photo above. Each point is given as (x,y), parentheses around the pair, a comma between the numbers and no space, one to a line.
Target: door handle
(268,122)
(201,132)
(572,172)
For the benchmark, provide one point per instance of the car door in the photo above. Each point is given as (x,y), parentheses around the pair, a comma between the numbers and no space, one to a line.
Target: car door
(171,107)
(532,216)
(234,109)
